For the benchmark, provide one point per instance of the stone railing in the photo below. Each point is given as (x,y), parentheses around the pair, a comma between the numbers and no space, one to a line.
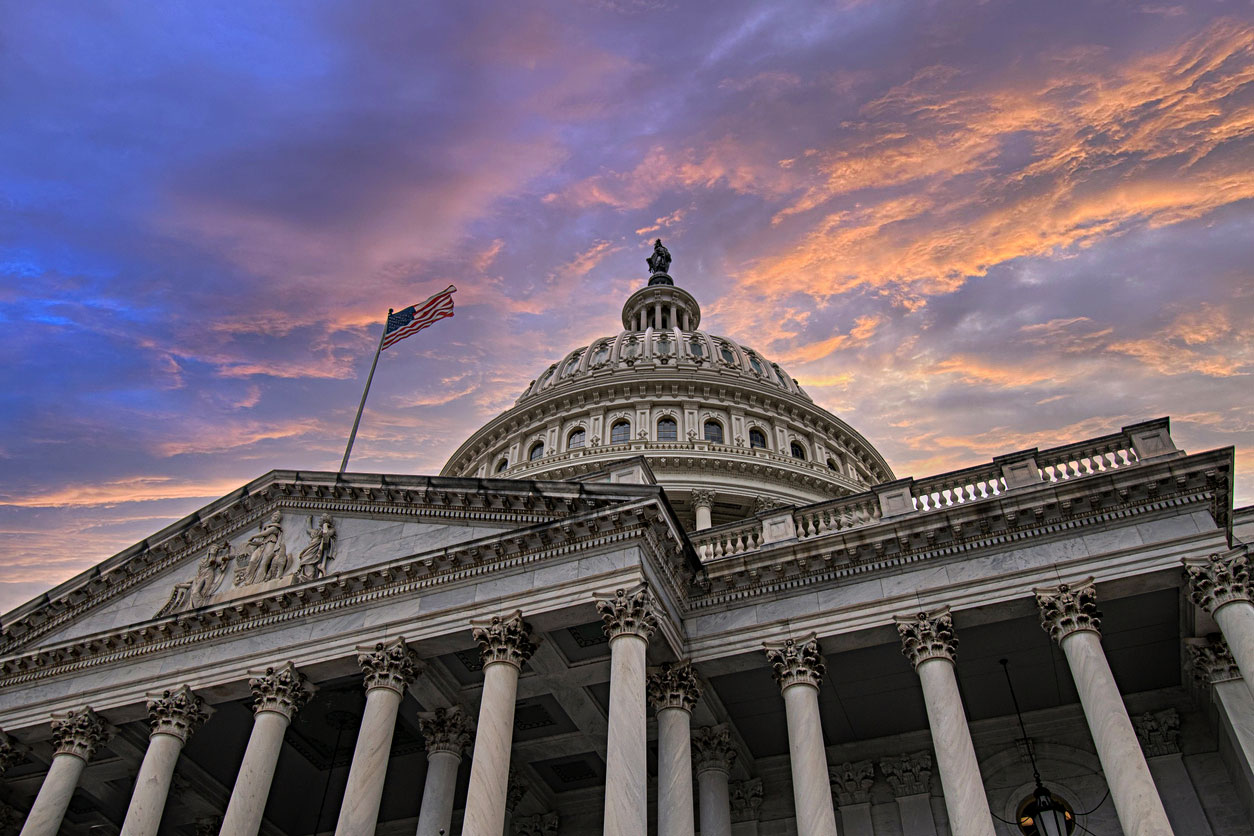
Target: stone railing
(727,540)
(1086,458)
(958,487)
(838,515)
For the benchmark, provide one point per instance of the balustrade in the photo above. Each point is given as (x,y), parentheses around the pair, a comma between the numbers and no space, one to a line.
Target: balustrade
(728,540)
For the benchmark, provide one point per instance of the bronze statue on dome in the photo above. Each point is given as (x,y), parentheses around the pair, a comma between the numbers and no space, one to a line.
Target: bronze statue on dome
(660,261)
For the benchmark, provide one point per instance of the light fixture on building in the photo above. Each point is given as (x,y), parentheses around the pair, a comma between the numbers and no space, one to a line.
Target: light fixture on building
(1041,814)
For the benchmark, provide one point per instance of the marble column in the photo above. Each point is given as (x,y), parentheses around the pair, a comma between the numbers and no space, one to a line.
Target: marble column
(1069,614)
(505,644)
(173,716)
(277,695)
(798,668)
(927,640)
(76,736)
(714,758)
(388,669)
(746,804)
(1220,584)
(629,620)
(910,778)
(851,787)
(702,504)
(447,732)
(674,691)
(1214,666)
(1159,734)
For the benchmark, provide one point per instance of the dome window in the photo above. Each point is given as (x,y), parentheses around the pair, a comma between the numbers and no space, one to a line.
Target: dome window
(757,438)
(696,348)
(602,353)
(755,363)
(572,364)
(501,465)
(537,450)
(714,432)
(576,439)
(544,378)
(663,346)
(620,433)
(798,452)
(831,465)
(783,378)
(728,355)
(667,430)
(631,349)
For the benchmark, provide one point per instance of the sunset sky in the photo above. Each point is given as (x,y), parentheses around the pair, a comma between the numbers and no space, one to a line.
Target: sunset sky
(967,228)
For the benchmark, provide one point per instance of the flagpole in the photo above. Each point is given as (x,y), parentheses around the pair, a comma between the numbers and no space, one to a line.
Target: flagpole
(353,435)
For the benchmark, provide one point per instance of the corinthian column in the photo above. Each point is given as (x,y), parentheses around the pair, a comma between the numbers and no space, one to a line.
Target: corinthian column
(927,640)
(389,668)
(702,503)
(674,692)
(277,694)
(629,620)
(447,732)
(173,717)
(77,736)
(1221,586)
(851,784)
(1214,666)
(505,644)
(798,668)
(1070,615)
(715,758)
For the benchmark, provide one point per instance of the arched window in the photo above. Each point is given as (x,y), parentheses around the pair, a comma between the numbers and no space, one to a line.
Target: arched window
(501,465)
(727,354)
(576,438)
(631,349)
(697,348)
(783,378)
(572,364)
(798,452)
(755,363)
(714,432)
(602,353)
(831,465)
(544,378)
(757,439)
(667,429)
(537,450)
(663,346)
(620,433)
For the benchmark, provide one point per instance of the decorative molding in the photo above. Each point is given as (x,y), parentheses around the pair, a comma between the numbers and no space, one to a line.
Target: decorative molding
(446,730)
(1212,661)
(712,749)
(746,799)
(627,612)
(1069,608)
(508,639)
(281,689)
(927,636)
(79,733)
(389,665)
(1219,579)
(909,774)
(852,782)
(1158,732)
(540,824)
(796,663)
(177,712)
(675,685)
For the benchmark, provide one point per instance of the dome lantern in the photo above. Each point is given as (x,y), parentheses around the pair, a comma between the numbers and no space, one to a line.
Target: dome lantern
(661,305)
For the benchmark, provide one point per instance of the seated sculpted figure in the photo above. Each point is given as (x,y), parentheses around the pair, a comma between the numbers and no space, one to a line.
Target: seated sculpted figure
(268,555)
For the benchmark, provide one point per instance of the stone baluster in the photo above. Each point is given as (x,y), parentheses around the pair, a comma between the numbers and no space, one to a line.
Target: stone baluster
(798,668)
(1214,666)
(674,692)
(715,758)
(447,732)
(629,620)
(388,668)
(1220,584)
(851,786)
(173,716)
(910,779)
(928,641)
(702,505)
(277,695)
(1159,734)
(505,644)
(76,736)
(746,804)
(1070,615)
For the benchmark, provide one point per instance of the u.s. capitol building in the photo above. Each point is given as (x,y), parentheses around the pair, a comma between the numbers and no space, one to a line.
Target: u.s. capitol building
(664,593)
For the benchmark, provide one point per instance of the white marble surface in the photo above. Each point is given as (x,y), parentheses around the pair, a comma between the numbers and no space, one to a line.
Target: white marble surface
(359,812)
(674,773)
(152,786)
(626,753)
(1236,715)
(489,766)
(959,770)
(436,814)
(1236,622)
(54,796)
(1184,808)
(715,802)
(256,772)
(812,793)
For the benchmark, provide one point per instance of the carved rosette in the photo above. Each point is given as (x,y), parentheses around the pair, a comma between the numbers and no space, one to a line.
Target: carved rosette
(176,712)
(507,639)
(702,497)
(628,612)
(852,782)
(927,636)
(1158,732)
(282,689)
(1219,580)
(446,730)
(746,799)
(390,665)
(1067,609)
(796,662)
(1212,661)
(10,752)
(674,686)
(541,824)
(79,733)
(712,749)
(908,774)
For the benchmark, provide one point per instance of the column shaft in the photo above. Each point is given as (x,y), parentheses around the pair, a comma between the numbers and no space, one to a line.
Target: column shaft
(1184,808)
(489,766)
(1236,622)
(252,785)
(811,790)
(955,755)
(626,765)
(437,793)
(1236,715)
(359,813)
(916,815)
(715,802)
(1132,788)
(54,796)
(674,773)
(152,787)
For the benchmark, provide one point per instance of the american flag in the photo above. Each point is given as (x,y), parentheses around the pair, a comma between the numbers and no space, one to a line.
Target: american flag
(413,319)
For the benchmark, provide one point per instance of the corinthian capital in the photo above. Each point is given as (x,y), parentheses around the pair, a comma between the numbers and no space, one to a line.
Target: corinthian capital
(1067,609)
(702,497)
(712,749)
(10,752)
(1212,661)
(1219,580)
(79,733)
(507,639)
(927,636)
(746,798)
(852,782)
(177,712)
(282,689)
(390,665)
(674,686)
(446,730)
(796,662)
(627,612)
(908,774)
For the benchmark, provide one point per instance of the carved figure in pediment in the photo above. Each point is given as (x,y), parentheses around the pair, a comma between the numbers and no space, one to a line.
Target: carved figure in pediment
(312,561)
(209,574)
(266,552)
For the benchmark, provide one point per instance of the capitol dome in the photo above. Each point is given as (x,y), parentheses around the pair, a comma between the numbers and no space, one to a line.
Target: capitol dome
(726,431)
